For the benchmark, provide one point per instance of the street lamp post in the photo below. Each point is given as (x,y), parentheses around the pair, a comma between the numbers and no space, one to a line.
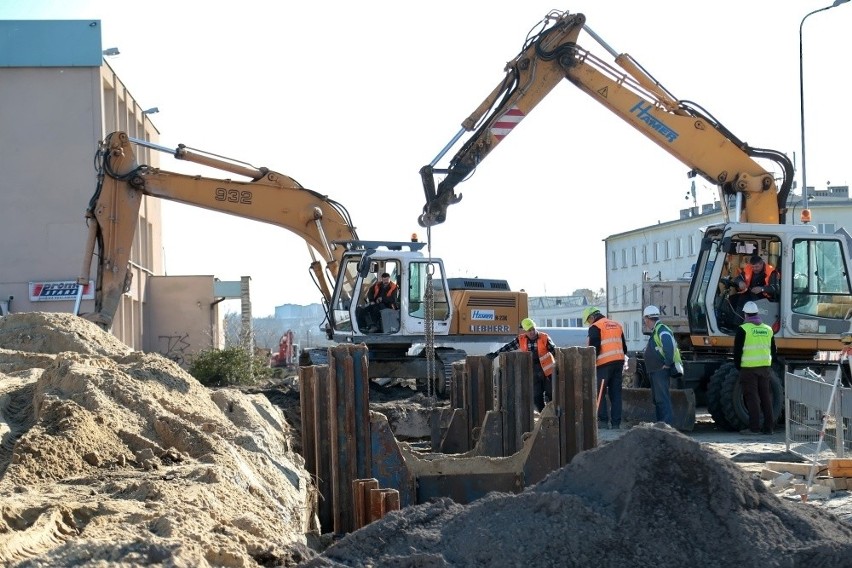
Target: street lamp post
(806,214)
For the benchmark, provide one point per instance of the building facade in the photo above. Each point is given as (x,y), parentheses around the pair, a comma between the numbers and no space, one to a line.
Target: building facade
(58,98)
(669,250)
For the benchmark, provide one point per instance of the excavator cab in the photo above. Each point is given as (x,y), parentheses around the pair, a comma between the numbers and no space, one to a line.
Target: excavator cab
(814,299)
(404,315)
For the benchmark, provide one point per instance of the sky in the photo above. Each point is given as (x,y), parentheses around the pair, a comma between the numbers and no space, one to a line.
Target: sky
(352,98)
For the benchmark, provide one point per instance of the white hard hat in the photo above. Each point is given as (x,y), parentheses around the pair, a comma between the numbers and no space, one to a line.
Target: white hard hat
(651,312)
(750,308)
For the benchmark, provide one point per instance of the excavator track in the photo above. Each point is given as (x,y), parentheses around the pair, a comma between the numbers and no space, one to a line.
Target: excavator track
(404,367)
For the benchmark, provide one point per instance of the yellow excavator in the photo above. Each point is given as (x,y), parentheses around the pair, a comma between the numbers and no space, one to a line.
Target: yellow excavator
(814,305)
(455,315)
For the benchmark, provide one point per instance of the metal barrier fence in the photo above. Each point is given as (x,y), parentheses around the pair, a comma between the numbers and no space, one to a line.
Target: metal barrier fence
(807,396)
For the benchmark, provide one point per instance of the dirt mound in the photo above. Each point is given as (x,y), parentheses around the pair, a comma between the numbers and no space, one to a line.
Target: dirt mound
(110,455)
(652,498)
(29,332)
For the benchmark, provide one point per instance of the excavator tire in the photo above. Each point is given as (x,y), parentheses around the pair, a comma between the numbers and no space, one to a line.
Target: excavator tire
(714,395)
(733,405)
(640,376)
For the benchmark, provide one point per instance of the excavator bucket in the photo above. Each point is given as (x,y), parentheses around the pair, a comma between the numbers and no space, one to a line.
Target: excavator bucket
(638,406)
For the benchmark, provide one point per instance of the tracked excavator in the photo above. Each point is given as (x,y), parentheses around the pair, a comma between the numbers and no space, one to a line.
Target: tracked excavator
(814,305)
(456,315)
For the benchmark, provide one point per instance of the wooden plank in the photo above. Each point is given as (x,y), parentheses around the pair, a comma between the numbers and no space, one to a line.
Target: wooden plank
(794,468)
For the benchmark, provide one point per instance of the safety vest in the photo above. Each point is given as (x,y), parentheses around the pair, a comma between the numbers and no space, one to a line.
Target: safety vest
(748,274)
(545,357)
(757,348)
(660,329)
(612,348)
(389,294)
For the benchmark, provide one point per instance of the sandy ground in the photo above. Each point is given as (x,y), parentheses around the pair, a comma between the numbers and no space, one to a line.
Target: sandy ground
(116,458)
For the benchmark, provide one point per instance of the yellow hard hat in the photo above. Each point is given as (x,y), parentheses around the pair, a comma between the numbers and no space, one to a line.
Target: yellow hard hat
(527,324)
(589,312)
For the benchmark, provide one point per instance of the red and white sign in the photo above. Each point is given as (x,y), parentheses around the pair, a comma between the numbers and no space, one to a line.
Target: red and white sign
(64,290)
(504,125)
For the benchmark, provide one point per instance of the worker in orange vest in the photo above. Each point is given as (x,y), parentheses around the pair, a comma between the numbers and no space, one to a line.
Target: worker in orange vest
(382,295)
(758,281)
(607,337)
(544,359)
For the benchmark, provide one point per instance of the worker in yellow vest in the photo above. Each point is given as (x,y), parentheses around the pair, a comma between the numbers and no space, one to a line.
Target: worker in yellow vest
(607,337)
(544,359)
(754,351)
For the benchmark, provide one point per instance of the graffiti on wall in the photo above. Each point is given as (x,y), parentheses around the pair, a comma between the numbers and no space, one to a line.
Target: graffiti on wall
(174,347)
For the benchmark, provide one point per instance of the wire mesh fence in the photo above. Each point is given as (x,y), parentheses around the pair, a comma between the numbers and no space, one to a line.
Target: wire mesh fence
(809,405)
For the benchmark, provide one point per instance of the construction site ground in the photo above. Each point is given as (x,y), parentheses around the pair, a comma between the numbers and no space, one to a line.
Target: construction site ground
(111,457)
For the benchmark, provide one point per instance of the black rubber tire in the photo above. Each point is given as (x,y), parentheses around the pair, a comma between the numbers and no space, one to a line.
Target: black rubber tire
(714,395)
(733,405)
(640,376)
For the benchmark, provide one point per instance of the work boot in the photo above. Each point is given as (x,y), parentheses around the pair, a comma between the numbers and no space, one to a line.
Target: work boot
(603,425)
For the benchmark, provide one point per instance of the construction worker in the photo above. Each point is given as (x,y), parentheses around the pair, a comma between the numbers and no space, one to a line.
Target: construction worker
(845,358)
(544,359)
(381,296)
(662,361)
(757,281)
(607,337)
(754,350)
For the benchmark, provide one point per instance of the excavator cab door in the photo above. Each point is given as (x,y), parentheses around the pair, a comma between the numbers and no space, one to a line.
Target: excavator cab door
(418,308)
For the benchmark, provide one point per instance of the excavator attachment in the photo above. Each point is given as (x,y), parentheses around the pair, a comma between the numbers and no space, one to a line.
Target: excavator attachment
(637,405)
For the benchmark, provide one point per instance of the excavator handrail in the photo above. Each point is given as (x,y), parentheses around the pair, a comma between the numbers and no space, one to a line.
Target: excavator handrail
(682,128)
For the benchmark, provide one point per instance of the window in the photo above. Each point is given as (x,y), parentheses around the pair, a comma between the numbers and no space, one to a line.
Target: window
(635,293)
(820,286)
(656,252)
(636,331)
(613,262)
(666,250)
(624,294)
(644,254)
(417,277)
(623,258)
(825,228)
(691,245)
(615,295)
(635,258)
(678,247)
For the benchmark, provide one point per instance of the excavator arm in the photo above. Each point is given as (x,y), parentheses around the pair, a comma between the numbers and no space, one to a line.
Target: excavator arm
(270,197)
(551,54)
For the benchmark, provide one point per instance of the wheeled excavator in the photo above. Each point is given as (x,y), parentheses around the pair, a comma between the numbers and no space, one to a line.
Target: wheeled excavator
(815,302)
(457,315)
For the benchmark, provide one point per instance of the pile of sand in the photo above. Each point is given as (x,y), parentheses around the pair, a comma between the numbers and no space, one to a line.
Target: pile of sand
(114,457)
(109,455)
(652,498)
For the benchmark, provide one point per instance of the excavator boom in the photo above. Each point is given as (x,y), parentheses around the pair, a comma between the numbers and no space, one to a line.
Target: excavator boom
(683,129)
(269,197)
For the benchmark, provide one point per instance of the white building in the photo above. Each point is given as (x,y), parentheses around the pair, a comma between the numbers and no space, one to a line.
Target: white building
(668,251)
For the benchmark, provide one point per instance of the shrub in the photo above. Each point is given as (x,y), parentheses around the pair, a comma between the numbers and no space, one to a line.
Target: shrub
(229,366)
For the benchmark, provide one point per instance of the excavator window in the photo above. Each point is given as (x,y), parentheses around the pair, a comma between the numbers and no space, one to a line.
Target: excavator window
(417,278)
(819,284)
